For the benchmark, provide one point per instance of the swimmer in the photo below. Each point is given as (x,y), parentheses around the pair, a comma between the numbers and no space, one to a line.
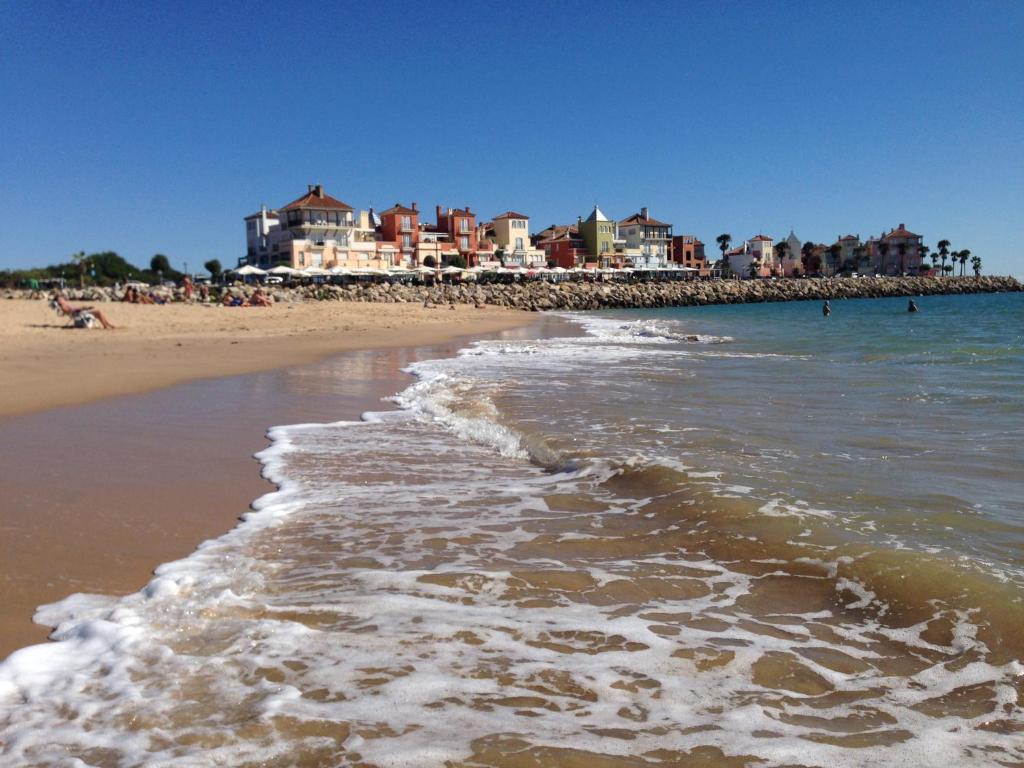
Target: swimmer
(912,307)
(826,310)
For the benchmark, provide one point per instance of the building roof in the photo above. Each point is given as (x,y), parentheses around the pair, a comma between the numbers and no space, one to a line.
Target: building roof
(399,209)
(637,218)
(511,215)
(760,237)
(735,251)
(258,214)
(596,215)
(900,232)
(849,237)
(459,212)
(317,198)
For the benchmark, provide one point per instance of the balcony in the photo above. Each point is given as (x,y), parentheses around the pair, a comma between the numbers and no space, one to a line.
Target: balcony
(321,224)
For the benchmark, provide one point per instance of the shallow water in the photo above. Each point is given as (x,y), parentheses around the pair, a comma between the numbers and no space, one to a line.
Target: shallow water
(721,536)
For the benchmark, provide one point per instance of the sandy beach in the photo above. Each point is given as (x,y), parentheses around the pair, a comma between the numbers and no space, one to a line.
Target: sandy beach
(155,455)
(43,364)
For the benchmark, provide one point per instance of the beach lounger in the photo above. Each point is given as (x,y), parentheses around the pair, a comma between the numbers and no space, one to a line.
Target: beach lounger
(83,318)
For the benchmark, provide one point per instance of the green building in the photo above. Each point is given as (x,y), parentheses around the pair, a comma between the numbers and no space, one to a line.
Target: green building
(598,234)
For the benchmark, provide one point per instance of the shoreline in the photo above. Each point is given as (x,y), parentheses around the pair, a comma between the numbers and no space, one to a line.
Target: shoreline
(46,365)
(103,492)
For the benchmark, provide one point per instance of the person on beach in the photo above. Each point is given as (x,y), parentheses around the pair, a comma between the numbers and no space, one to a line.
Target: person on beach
(187,287)
(912,307)
(75,313)
(260,299)
(826,310)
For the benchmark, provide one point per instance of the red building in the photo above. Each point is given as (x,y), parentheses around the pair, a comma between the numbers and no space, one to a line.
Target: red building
(460,225)
(563,246)
(401,226)
(688,251)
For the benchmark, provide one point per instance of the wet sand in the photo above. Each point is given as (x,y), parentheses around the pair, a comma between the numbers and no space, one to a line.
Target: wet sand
(44,363)
(97,495)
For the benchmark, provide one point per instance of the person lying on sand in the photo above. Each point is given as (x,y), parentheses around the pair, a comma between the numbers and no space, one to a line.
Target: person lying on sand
(76,312)
(233,301)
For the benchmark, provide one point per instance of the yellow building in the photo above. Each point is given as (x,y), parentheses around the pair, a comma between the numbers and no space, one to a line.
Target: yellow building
(512,235)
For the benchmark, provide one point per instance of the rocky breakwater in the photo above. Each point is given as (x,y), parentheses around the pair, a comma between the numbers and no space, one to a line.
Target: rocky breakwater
(540,295)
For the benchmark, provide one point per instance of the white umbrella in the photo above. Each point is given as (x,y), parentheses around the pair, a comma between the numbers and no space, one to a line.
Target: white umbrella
(340,271)
(283,269)
(399,268)
(314,271)
(248,269)
(452,271)
(425,270)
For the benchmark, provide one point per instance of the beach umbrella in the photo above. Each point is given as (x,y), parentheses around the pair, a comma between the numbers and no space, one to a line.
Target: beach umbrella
(425,270)
(314,271)
(452,271)
(559,270)
(247,270)
(339,271)
(283,269)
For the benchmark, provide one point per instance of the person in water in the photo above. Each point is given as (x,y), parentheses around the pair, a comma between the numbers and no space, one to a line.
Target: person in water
(912,307)
(826,310)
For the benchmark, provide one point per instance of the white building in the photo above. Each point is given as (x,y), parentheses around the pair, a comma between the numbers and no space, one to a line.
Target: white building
(647,241)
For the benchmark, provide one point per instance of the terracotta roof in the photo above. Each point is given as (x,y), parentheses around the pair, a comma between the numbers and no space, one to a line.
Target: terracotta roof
(258,214)
(511,215)
(399,209)
(902,231)
(760,237)
(636,218)
(312,200)
(459,212)
(735,251)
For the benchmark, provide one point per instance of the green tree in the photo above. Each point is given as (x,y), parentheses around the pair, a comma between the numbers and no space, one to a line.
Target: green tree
(214,268)
(781,249)
(976,265)
(458,260)
(883,250)
(901,249)
(755,268)
(833,257)
(160,263)
(922,251)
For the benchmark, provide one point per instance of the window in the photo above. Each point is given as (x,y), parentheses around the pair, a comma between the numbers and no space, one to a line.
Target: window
(463,225)
(407,241)
(407,222)
(302,259)
(343,239)
(464,242)
(519,243)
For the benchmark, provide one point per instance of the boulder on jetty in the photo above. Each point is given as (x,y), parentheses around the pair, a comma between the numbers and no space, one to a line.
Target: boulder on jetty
(572,295)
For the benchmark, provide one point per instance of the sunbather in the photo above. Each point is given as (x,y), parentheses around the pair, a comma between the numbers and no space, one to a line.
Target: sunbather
(81,315)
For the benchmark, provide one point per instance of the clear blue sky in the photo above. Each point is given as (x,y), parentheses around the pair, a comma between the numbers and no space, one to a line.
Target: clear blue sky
(150,127)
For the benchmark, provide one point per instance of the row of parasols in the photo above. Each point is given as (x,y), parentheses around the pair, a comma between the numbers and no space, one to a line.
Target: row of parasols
(285,271)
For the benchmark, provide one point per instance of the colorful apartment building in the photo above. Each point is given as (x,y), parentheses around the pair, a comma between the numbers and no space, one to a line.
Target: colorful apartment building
(598,235)
(563,246)
(258,227)
(688,251)
(510,233)
(759,250)
(647,240)
(897,252)
(400,226)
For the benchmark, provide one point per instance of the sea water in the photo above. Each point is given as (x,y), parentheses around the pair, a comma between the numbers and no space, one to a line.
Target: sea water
(721,536)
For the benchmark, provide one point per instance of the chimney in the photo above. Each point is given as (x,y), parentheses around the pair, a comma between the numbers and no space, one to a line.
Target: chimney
(645,214)
(468,211)
(437,209)
(579,221)
(414,207)
(319,190)
(902,225)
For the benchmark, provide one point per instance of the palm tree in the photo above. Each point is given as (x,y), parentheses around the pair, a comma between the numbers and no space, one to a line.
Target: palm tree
(833,256)
(781,249)
(883,248)
(922,251)
(935,260)
(976,265)
(943,246)
(901,249)
(963,256)
(755,268)
(807,257)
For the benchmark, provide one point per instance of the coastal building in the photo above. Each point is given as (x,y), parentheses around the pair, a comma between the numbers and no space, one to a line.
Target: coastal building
(400,227)
(897,252)
(759,251)
(650,239)
(562,246)
(688,251)
(598,235)
(258,227)
(510,233)
(314,230)
(789,263)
